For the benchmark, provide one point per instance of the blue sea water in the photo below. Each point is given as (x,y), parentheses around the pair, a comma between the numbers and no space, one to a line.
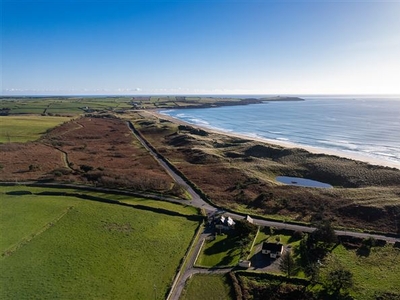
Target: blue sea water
(364,126)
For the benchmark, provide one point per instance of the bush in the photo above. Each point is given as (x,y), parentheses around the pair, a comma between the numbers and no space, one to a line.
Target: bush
(86,168)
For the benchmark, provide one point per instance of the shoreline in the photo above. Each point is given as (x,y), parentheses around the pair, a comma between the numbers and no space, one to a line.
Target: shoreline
(284,144)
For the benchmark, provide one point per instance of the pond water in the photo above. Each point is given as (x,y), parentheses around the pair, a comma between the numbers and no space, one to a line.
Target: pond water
(302,182)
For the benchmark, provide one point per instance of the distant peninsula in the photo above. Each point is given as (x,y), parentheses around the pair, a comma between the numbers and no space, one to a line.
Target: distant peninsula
(246,101)
(203,101)
(279,98)
(88,104)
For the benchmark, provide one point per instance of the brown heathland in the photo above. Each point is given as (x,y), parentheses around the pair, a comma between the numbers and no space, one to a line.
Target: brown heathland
(88,150)
(234,172)
(240,174)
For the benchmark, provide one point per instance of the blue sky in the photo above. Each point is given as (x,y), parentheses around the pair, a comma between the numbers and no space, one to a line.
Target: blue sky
(200,47)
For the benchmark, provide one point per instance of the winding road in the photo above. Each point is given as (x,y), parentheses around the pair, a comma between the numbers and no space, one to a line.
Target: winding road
(197,201)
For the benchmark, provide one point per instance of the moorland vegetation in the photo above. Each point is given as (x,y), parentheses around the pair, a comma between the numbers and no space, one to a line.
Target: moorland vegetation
(60,243)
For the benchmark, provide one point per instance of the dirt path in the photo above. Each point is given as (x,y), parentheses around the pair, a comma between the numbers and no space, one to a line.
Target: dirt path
(64,154)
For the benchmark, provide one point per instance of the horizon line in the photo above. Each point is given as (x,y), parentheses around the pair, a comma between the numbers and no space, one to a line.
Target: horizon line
(204,94)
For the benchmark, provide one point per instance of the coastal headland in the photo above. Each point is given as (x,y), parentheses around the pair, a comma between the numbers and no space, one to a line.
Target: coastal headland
(106,170)
(237,172)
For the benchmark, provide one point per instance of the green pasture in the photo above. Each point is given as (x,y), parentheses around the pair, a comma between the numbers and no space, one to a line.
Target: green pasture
(62,247)
(210,287)
(26,128)
(374,274)
(78,105)
(221,252)
(63,105)
(26,106)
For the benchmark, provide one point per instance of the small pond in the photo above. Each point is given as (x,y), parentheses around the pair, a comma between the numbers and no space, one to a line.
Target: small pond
(302,182)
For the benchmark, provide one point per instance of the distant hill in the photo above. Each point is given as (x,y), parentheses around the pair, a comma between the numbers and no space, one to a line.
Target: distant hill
(279,98)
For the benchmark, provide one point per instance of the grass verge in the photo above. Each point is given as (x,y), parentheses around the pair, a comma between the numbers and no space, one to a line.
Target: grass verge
(202,286)
(222,251)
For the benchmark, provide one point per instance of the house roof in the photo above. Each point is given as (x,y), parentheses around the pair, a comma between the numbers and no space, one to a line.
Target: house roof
(249,219)
(273,247)
(225,221)
(230,221)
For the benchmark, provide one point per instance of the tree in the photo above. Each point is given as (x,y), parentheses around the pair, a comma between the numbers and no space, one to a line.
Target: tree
(316,245)
(339,280)
(336,279)
(287,264)
(312,271)
(244,228)
(325,233)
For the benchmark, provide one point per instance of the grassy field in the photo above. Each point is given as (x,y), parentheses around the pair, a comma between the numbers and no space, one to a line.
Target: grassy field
(65,248)
(62,105)
(212,287)
(222,251)
(26,128)
(77,105)
(375,274)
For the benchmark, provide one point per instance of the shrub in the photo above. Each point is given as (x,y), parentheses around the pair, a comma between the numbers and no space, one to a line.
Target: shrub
(86,168)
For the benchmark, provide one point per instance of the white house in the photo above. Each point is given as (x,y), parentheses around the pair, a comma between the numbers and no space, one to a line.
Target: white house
(274,250)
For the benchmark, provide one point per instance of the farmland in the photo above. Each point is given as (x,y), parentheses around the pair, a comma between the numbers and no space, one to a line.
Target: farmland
(64,247)
(374,274)
(73,243)
(79,105)
(62,105)
(21,129)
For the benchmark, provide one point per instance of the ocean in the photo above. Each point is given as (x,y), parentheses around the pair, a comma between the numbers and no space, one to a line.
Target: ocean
(368,127)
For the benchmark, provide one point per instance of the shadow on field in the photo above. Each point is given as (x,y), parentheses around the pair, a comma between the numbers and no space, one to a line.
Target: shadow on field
(137,206)
(227,246)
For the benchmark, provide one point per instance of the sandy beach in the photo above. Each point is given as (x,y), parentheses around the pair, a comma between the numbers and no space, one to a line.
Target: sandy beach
(316,150)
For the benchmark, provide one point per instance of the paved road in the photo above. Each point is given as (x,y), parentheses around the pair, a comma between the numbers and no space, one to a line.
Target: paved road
(197,201)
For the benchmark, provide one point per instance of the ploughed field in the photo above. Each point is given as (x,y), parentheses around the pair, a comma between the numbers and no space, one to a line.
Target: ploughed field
(240,174)
(90,150)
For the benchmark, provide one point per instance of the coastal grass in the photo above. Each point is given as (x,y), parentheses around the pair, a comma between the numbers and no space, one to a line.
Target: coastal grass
(64,247)
(26,128)
(222,251)
(202,286)
(375,274)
